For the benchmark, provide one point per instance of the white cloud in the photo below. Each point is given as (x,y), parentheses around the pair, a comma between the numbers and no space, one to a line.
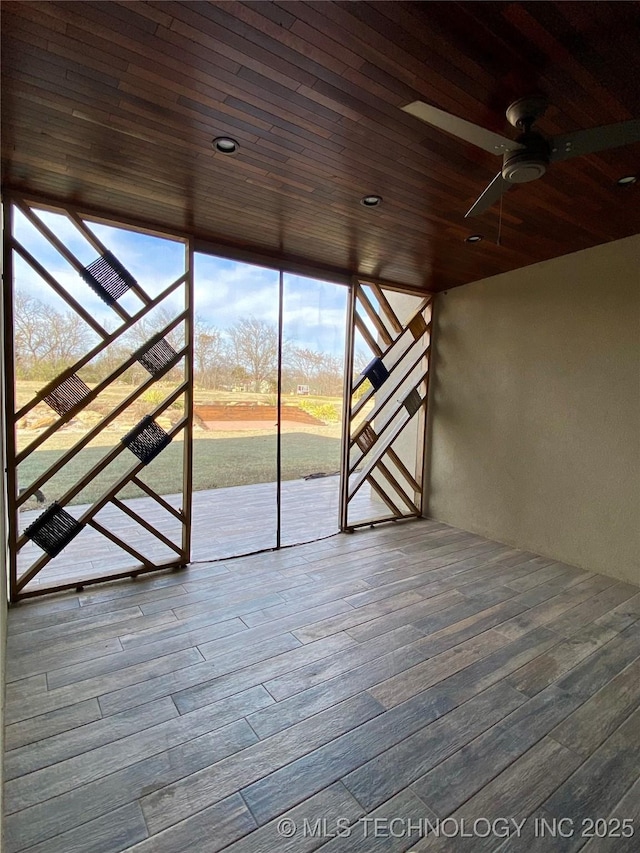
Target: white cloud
(225,291)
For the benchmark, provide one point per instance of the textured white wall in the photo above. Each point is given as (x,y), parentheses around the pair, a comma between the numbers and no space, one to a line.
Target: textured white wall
(536,409)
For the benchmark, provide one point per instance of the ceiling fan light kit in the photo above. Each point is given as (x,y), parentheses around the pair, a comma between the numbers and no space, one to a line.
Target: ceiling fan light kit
(527,157)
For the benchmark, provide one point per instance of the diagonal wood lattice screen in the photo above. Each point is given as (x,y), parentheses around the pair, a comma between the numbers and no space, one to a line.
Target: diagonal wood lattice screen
(98,385)
(386,402)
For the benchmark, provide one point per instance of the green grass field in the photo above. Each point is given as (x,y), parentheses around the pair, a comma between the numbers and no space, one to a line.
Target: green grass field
(217,463)
(222,457)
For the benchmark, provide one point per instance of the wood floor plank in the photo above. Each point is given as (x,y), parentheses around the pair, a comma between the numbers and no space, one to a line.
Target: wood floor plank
(124,589)
(201,629)
(548,667)
(291,623)
(591,675)
(51,817)
(60,747)
(541,614)
(24,688)
(135,675)
(109,834)
(284,788)
(301,598)
(617,839)
(59,628)
(50,724)
(40,660)
(603,779)
(194,687)
(63,620)
(536,837)
(308,702)
(73,772)
(391,828)
(436,673)
(479,622)
(313,818)
(356,616)
(435,670)
(174,803)
(553,575)
(496,666)
(345,660)
(513,794)
(109,626)
(407,615)
(600,716)
(576,618)
(61,676)
(451,783)
(622,616)
(383,777)
(230,817)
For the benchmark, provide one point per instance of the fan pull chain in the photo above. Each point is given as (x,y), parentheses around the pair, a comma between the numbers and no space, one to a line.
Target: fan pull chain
(498,241)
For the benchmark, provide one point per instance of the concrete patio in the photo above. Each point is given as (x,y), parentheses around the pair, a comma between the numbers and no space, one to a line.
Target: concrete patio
(226,523)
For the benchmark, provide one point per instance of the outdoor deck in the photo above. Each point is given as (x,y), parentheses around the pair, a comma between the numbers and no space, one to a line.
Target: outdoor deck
(226,522)
(411,671)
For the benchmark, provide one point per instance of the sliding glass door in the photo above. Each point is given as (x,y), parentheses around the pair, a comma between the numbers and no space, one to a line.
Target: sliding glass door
(314,325)
(236,334)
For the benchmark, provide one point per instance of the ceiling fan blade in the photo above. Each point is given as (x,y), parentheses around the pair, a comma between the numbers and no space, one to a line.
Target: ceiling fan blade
(496,188)
(595,139)
(486,139)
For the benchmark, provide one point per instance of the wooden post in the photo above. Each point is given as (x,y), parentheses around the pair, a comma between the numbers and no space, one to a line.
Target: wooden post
(187,450)
(346,408)
(8,396)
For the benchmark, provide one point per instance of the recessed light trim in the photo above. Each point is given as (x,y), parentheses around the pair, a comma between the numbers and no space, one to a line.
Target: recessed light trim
(474,238)
(627,180)
(371,200)
(225,145)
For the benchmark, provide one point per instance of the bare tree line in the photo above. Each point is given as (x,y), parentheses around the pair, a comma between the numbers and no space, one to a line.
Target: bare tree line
(244,356)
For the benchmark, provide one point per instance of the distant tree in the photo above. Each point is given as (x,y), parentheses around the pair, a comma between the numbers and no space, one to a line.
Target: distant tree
(321,371)
(306,363)
(330,377)
(46,340)
(254,347)
(210,355)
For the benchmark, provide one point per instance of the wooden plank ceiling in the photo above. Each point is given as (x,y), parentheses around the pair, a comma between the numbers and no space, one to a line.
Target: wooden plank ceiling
(114,106)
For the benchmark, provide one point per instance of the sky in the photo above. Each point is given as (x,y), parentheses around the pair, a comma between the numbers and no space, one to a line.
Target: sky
(226,291)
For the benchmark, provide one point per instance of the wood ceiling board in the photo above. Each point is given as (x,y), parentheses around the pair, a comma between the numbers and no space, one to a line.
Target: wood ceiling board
(114,105)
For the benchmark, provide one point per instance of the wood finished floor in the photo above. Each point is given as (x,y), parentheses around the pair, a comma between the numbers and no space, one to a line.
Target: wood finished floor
(412,671)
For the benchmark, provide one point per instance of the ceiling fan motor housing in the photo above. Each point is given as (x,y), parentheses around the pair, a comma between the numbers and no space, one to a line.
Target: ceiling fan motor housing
(528,163)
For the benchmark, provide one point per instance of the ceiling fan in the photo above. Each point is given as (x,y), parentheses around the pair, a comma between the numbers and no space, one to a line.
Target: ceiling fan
(527,157)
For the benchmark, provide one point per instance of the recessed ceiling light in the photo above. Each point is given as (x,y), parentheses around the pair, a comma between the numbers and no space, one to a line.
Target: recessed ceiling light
(473,238)
(225,145)
(627,181)
(371,200)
